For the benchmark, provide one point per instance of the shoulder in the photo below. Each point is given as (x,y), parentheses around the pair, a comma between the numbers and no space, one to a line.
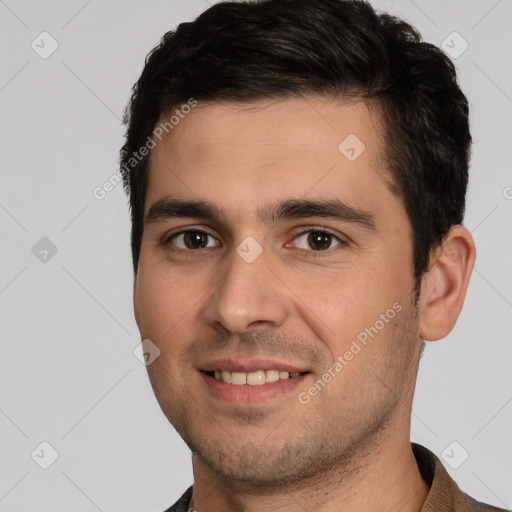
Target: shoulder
(444,493)
(471,505)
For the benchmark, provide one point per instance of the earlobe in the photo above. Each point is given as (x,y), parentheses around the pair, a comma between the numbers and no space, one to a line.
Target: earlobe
(444,286)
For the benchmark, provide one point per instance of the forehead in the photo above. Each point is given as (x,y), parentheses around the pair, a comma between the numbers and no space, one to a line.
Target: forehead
(294,146)
(308,123)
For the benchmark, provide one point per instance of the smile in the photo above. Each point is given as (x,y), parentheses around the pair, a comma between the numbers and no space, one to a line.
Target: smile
(256,378)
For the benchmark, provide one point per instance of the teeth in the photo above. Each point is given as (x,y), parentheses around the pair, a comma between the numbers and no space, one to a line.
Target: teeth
(256,378)
(271,376)
(238,378)
(253,378)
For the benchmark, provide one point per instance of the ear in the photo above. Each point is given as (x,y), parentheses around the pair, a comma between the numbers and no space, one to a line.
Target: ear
(444,286)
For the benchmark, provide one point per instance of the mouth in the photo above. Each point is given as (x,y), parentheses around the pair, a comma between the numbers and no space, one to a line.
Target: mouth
(251,382)
(254,378)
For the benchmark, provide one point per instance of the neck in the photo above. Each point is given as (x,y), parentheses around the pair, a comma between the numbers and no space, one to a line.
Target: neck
(385,478)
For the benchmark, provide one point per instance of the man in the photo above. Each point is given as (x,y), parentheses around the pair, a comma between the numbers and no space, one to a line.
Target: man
(297,172)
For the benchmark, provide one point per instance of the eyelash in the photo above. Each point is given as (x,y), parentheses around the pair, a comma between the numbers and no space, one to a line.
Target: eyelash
(309,229)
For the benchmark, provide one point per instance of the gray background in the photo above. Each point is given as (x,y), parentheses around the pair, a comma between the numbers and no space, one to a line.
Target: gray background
(68,373)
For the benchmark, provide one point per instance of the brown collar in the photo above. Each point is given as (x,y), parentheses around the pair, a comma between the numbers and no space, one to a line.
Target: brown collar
(444,494)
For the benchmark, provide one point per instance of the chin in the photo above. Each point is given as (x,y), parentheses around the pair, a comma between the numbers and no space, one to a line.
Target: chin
(276,464)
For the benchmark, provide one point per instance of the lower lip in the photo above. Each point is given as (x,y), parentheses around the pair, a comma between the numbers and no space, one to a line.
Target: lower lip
(248,394)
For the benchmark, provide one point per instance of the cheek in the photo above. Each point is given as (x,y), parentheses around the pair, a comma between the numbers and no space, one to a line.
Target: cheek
(163,301)
(332,304)
(342,305)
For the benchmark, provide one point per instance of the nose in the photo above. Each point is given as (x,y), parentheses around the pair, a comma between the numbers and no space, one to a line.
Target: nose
(248,296)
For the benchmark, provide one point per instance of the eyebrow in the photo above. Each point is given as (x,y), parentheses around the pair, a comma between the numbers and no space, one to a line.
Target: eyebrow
(169,208)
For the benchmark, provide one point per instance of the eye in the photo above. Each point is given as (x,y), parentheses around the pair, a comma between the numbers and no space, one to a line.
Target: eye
(317,240)
(192,240)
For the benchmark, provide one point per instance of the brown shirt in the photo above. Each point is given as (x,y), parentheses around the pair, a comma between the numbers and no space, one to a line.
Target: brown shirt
(444,494)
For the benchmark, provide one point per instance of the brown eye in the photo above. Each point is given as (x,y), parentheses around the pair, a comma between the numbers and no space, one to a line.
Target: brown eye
(193,240)
(317,241)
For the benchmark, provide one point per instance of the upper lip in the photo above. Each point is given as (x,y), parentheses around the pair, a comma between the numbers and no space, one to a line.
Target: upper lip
(249,365)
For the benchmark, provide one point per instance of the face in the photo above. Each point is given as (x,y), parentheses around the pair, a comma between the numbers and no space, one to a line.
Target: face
(275,278)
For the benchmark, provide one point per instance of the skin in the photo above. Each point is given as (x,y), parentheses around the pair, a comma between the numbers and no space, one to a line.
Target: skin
(349,446)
